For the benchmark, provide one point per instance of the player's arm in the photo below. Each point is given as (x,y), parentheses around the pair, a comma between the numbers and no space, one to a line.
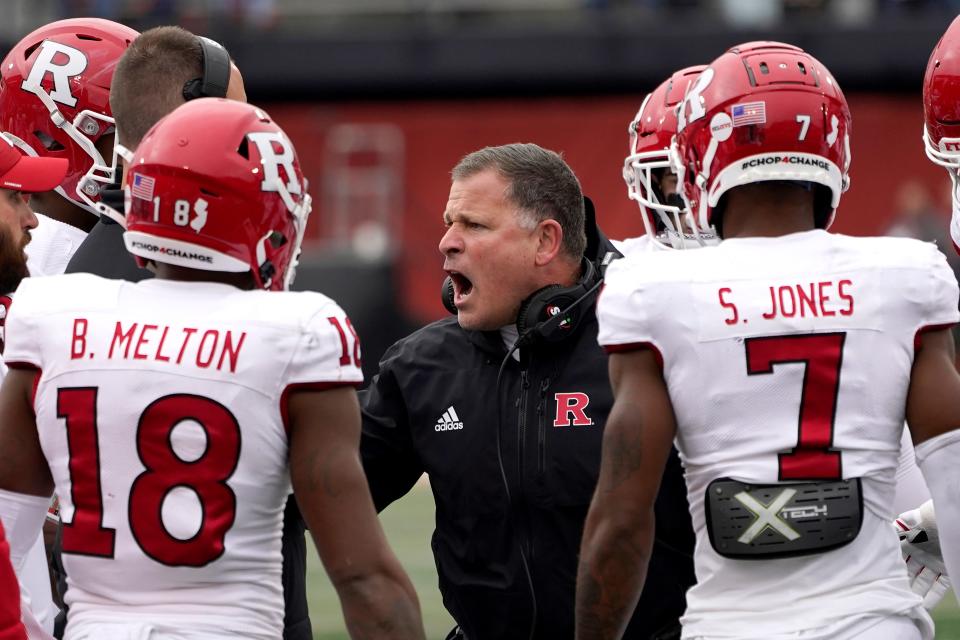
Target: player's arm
(23,469)
(377,597)
(25,481)
(916,527)
(619,531)
(933,414)
(933,400)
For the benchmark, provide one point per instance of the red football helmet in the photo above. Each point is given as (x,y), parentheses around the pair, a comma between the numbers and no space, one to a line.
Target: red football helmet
(941,105)
(216,185)
(651,133)
(762,111)
(55,97)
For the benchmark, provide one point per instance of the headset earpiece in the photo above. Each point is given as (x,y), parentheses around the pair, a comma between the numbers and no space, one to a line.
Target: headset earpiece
(534,309)
(216,72)
(538,315)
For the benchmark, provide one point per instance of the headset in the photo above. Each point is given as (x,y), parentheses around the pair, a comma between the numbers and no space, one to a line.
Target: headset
(216,72)
(549,314)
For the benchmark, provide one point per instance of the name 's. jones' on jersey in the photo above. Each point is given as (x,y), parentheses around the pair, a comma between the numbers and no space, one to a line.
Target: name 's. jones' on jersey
(824,299)
(205,348)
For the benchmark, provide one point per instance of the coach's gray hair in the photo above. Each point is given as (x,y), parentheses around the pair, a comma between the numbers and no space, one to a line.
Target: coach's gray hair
(542,186)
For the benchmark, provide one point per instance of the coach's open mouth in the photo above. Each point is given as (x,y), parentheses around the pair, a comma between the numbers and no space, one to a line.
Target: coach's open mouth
(462,287)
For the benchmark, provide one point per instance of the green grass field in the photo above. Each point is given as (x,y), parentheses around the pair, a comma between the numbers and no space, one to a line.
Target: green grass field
(408,524)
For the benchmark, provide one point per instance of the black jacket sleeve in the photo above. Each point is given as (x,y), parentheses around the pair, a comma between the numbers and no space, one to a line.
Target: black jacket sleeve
(103,253)
(386,446)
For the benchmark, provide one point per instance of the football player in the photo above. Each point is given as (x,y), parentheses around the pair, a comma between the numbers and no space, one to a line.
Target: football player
(941,138)
(172,415)
(55,102)
(19,176)
(651,181)
(784,361)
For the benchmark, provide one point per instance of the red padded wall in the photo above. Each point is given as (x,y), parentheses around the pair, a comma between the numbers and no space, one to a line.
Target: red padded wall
(591,134)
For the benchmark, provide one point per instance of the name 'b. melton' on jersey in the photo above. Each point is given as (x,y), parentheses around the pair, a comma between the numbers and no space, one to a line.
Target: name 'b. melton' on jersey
(788,362)
(161,410)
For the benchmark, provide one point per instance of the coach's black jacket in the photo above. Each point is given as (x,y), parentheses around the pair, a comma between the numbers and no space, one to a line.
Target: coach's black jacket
(434,407)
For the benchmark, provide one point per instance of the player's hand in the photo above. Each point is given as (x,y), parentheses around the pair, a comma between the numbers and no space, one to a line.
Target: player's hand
(920,546)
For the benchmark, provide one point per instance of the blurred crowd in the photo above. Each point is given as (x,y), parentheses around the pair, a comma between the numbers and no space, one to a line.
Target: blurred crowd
(270,14)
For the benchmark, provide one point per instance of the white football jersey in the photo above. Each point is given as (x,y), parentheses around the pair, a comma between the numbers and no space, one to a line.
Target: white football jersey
(640,244)
(787,358)
(161,410)
(51,246)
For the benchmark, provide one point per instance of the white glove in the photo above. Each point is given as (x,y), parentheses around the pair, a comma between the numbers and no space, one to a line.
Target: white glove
(920,546)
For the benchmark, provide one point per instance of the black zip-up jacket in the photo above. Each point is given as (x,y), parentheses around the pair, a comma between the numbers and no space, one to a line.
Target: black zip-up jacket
(435,407)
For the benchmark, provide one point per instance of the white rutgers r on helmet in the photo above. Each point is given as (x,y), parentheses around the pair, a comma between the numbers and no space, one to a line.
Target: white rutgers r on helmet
(762,111)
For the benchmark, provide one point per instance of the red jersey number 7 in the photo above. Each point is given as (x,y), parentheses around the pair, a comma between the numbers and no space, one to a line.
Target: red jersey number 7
(822,355)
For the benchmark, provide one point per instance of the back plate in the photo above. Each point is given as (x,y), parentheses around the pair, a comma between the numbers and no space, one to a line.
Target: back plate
(750,521)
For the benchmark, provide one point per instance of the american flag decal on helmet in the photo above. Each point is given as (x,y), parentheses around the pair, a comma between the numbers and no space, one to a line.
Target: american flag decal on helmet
(142,187)
(749,113)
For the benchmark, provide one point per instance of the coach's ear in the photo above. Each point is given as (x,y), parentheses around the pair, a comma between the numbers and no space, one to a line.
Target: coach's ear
(550,241)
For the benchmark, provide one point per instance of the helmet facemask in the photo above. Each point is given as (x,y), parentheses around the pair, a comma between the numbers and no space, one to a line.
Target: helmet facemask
(665,223)
(650,160)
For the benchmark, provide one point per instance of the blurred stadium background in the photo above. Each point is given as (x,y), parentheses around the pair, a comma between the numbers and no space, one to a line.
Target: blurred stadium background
(382,97)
